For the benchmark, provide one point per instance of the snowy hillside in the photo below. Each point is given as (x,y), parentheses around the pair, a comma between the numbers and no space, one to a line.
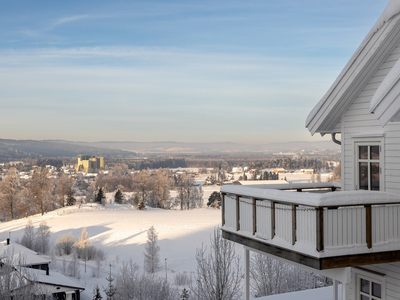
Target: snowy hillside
(121,231)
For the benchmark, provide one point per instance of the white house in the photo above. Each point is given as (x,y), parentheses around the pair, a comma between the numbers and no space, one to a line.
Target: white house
(26,267)
(351,235)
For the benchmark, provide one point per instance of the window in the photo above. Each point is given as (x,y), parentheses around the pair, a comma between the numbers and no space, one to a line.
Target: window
(369,289)
(368,166)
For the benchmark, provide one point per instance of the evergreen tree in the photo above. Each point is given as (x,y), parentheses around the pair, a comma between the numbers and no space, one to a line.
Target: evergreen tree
(118,197)
(152,255)
(214,200)
(96,294)
(70,196)
(185,294)
(110,290)
(100,196)
(141,205)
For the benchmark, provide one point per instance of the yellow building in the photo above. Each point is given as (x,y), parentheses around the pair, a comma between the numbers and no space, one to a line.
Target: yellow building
(86,162)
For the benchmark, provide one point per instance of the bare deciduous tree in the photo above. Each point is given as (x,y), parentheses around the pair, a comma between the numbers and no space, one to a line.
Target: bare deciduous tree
(218,276)
(9,189)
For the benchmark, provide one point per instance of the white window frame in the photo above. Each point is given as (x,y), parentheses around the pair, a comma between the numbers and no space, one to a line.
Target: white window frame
(372,277)
(369,141)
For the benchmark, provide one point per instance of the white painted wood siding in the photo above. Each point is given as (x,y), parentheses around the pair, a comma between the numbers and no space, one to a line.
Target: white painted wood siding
(385,223)
(230,211)
(246,214)
(392,278)
(263,219)
(357,119)
(344,227)
(283,222)
(306,226)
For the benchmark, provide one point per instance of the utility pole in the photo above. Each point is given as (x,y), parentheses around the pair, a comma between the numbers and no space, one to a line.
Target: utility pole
(85,256)
(166,274)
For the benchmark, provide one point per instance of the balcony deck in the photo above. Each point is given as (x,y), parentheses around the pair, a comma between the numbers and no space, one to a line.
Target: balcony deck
(322,228)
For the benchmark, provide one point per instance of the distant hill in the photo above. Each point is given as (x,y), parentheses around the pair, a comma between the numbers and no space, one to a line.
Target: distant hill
(223,147)
(21,149)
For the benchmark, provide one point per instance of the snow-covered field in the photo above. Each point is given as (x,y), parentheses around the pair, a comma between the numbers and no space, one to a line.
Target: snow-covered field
(121,231)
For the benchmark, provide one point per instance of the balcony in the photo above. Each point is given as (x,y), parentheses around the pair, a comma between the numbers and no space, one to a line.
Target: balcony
(322,228)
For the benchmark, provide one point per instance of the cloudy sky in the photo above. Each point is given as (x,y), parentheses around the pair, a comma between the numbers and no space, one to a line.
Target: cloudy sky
(190,71)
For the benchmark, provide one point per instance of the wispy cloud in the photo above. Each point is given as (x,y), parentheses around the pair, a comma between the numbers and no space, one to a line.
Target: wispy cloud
(71,19)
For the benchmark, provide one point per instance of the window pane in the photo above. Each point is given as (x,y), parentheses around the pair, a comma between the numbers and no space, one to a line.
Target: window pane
(365,297)
(363,152)
(363,171)
(374,176)
(374,152)
(376,289)
(364,286)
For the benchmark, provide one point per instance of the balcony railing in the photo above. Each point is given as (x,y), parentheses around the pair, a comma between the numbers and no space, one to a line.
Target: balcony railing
(316,224)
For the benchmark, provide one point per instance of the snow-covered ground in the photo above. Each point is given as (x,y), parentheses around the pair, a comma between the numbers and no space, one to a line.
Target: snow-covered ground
(325,293)
(121,231)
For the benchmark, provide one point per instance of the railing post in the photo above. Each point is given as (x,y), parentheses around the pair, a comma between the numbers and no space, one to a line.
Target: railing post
(320,228)
(223,208)
(294,223)
(237,213)
(254,216)
(272,219)
(368,225)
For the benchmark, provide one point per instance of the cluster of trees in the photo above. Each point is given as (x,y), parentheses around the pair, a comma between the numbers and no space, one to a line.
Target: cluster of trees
(37,240)
(39,195)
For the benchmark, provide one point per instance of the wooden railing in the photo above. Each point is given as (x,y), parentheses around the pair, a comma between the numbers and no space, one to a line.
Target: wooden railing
(338,223)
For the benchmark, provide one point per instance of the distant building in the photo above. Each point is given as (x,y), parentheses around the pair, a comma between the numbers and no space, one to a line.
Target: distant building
(86,162)
(307,171)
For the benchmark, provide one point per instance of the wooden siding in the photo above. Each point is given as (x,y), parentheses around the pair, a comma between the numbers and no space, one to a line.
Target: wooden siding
(357,119)
(392,278)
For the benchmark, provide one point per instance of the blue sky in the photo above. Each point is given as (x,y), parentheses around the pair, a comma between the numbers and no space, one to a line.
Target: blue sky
(190,71)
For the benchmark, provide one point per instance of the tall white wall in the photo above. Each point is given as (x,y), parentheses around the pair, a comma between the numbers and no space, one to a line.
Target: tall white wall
(357,119)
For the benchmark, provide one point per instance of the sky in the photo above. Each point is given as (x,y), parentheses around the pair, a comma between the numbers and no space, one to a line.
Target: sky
(186,71)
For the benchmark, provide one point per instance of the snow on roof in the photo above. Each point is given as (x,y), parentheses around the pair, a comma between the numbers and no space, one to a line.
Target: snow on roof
(325,293)
(13,248)
(20,255)
(391,10)
(54,278)
(314,199)
(381,101)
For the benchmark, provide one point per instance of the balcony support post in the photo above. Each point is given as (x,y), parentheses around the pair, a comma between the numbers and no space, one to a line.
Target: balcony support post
(294,223)
(223,208)
(320,228)
(237,213)
(272,219)
(254,216)
(247,273)
(368,225)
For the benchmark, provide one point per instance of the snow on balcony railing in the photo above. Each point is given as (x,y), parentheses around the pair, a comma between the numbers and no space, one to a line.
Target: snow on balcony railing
(314,220)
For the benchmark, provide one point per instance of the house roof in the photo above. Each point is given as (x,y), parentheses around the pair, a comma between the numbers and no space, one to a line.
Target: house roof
(20,255)
(376,46)
(54,278)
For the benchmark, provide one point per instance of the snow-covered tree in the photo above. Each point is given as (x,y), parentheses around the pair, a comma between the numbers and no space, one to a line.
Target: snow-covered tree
(130,284)
(268,276)
(42,238)
(28,239)
(40,190)
(9,189)
(96,293)
(152,255)
(185,294)
(218,276)
(110,290)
